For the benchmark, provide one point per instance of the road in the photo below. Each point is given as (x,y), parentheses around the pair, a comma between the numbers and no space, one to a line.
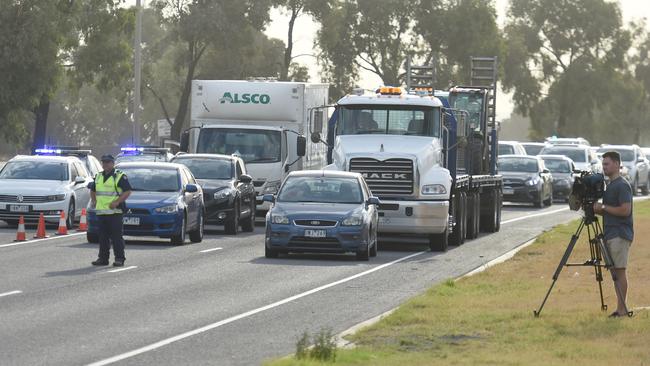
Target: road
(219,302)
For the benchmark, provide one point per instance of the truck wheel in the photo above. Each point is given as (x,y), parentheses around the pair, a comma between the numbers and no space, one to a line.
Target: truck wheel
(456,237)
(489,220)
(232,222)
(439,242)
(248,224)
(464,218)
(471,216)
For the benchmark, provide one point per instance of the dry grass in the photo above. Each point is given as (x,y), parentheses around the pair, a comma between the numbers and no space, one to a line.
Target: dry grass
(488,318)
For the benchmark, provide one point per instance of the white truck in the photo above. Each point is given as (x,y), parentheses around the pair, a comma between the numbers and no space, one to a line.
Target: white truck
(263,122)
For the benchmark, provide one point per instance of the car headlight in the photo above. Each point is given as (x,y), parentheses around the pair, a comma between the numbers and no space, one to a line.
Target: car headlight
(222,194)
(354,220)
(279,219)
(434,189)
(532,182)
(166,209)
(56,197)
(271,187)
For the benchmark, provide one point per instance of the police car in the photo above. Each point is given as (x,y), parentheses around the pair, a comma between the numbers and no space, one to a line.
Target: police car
(90,162)
(143,153)
(34,185)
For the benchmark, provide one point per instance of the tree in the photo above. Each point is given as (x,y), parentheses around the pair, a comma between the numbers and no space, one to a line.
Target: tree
(201,24)
(567,48)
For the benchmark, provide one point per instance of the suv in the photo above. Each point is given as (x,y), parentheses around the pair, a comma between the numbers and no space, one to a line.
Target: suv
(228,192)
(533,148)
(582,156)
(511,148)
(638,167)
(48,185)
(567,141)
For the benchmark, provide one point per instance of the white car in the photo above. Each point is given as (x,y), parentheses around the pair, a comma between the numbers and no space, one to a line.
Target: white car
(31,185)
(635,163)
(567,141)
(511,148)
(93,166)
(582,156)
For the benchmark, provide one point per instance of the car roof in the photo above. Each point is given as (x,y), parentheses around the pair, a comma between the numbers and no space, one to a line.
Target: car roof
(618,147)
(509,142)
(206,156)
(324,173)
(556,157)
(535,157)
(53,158)
(568,146)
(151,165)
(534,143)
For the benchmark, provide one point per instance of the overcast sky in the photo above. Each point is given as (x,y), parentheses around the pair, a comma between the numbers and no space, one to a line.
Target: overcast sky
(306,30)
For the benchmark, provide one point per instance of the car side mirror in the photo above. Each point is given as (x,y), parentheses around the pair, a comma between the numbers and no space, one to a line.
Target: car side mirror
(79,179)
(640,160)
(268,198)
(373,201)
(191,188)
(245,178)
(546,171)
(301,146)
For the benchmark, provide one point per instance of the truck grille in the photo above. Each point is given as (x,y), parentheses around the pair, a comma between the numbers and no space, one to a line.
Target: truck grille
(387,178)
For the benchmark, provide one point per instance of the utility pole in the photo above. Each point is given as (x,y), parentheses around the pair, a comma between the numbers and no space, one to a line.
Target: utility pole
(138,72)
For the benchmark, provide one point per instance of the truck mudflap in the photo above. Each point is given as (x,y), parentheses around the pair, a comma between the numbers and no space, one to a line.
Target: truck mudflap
(413,217)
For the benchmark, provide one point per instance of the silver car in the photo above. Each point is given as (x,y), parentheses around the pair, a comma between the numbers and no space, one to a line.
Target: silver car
(636,163)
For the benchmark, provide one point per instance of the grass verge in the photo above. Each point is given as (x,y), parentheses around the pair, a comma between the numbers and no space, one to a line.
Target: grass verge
(488,318)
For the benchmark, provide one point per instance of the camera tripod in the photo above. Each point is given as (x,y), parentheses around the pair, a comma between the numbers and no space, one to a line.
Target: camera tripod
(600,257)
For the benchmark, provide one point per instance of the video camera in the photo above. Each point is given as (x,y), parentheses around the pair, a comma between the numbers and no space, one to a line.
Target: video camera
(587,189)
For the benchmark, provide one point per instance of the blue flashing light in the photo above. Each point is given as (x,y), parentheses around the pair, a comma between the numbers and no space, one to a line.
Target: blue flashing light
(46,151)
(131,149)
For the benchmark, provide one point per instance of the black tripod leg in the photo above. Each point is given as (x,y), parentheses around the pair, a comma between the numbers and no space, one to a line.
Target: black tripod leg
(563,261)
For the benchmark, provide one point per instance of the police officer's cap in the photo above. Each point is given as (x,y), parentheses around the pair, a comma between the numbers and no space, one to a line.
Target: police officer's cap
(108,157)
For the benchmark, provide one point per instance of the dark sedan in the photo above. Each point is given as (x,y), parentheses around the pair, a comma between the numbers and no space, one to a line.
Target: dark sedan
(322,211)
(228,192)
(526,180)
(562,169)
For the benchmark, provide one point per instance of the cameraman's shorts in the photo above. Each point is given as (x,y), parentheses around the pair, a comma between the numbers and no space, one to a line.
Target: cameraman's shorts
(619,249)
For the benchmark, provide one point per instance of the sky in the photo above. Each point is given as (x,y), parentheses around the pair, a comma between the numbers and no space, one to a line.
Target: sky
(305,32)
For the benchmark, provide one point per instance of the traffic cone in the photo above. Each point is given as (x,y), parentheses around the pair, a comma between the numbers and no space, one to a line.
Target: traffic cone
(40,230)
(63,227)
(83,221)
(20,234)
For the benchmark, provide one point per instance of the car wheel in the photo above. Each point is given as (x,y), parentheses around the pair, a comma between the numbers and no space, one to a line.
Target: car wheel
(270,253)
(248,224)
(635,187)
(92,238)
(364,255)
(179,239)
(69,218)
(646,188)
(549,201)
(196,235)
(232,223)
(12,223)
(439,242)
(373,249)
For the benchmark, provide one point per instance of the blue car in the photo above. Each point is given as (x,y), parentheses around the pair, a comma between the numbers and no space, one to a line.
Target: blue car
(165,202)
(323,212)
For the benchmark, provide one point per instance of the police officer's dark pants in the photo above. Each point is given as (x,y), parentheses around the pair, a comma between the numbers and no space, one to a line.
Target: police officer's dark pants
(110,230)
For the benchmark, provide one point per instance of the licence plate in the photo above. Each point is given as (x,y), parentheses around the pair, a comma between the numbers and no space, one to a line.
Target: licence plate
(18,208)
(508,191)
(315,233)
(131,221)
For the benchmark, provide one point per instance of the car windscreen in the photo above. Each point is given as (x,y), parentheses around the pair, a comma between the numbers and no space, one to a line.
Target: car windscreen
(533,149)
(522,165)
(141,157)
(389,120)
(208,168)
(40,170)
(506,149)
(626,155)
(253,146)
(577,155)
(321,189)
(152,179)
(558,165)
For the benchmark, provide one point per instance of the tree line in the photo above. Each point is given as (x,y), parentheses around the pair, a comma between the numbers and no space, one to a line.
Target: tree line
(573,67)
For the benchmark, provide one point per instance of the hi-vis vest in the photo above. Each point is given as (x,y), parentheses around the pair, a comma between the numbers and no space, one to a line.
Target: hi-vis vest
(107,191)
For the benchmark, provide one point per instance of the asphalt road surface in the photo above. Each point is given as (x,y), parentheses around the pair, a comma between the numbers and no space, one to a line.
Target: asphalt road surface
(219,302)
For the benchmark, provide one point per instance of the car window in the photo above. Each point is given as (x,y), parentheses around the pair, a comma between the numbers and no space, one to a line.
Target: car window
(558,166)
(190,177)
(81,170)
(40,170)
(202,168)
(506,149)
(240,171)
(518,165)
(321,189)
(73,171)
(152,179)
(577,155)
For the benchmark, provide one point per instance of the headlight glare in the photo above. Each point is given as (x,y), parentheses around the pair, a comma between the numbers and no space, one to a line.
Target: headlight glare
(433,189)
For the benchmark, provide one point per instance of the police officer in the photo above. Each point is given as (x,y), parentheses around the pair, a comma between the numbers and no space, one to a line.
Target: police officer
(108,193)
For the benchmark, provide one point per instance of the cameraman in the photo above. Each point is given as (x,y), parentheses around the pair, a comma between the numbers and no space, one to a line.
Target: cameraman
(616,210)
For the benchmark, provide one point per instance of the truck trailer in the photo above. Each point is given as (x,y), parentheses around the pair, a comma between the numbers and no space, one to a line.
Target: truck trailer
(261,121)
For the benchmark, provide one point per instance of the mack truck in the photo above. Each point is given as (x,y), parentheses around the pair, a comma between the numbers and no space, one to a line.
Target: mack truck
(430,156)
(260,120)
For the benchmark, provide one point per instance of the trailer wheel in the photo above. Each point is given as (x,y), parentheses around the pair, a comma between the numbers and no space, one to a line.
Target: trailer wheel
(499,208)
(464,219)
(439,242)
(474,211)
(489,220)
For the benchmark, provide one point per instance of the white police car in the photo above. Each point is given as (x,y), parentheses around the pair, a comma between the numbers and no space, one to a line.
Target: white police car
(31,185)
(93,166)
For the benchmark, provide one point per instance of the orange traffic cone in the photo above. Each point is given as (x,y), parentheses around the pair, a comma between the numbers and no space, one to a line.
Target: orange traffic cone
(83,221)
(20,234)
(40,231)
(63,227)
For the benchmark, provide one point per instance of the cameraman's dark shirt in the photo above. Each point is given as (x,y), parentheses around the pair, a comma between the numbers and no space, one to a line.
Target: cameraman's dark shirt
(617,193)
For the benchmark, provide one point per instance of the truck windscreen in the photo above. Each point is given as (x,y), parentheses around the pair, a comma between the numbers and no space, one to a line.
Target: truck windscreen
(253,146)
(389,120)
(472,103)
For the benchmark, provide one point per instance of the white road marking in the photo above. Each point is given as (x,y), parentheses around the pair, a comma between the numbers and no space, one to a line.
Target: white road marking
(533,215)
(122,269)
(247,314)
(11,293)
(37,240)
(210,250)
